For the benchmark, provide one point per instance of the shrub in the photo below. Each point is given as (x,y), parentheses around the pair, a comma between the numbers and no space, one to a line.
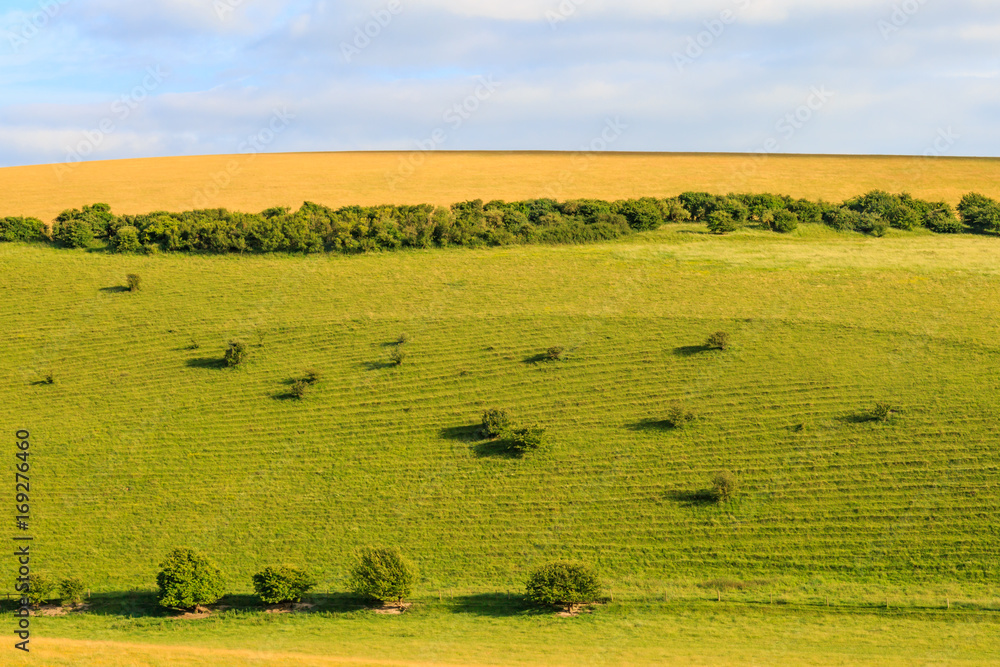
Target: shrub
(943,221)
(71,591)
(40,588)
(275,585)
(49,377)
(134,282)
(22,229)
(522,439)
(188,579)
(677,415)
(718,341)
(554,354)
(75,234)
(980,212)
(311,375)
(398,356)
(720,222)
(236,353)
(724,486)
(126,239)
(563,584)
(299,388)
(382,574)
(882,411)
(496,421)
(783,221)
(403,339)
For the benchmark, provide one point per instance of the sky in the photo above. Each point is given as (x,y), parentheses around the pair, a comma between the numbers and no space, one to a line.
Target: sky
(110,79)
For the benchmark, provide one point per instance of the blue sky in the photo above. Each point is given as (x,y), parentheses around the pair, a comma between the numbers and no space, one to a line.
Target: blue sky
(105,79)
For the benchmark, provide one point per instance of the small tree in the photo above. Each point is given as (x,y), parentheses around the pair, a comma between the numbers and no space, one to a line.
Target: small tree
(133,281)
(71,591)
(522,439)
(126,239)
(677,415)
(554,353)
(495,422)
(883,411)
(724,486)
(188,579)
(718,341)
(40,588)
(403,339)
(783,221)
(720,222)
(382,574)
(398,356)
(563,584)
(236,353)
(49,377)
(299,388)
(275,585)
(311,375)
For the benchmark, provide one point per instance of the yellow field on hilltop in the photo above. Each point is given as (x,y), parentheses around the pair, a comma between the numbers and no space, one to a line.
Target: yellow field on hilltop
(255,182)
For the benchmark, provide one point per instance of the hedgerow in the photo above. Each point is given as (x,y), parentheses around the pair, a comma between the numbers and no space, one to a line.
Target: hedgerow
(316,228)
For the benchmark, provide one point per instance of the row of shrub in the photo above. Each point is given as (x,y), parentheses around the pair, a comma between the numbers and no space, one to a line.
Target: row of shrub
(188,579)
(354,229)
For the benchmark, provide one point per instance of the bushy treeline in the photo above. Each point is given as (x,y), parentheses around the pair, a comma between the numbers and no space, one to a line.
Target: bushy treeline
(355,229)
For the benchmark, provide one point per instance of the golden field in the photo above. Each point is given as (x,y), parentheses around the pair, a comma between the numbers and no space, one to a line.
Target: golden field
(255,182)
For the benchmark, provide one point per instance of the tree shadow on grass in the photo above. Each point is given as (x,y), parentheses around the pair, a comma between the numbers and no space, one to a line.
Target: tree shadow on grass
(701,498)
(117,289)
(691,350)
(496,605)
(206,362)
(494,449)
(472,433)
(136,604)
(537,359)
(378,365)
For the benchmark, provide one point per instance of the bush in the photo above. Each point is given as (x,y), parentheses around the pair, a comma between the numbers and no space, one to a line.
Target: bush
(188,579)
(398,356)
(236,353)
(40,588)
(720,222)
(980,212)
(382,574)
(134,282)
(677,415)
(22,229)
(943,221)
(882,411)
(718,341)
(563,584)
(724,486)
(522,439)
(403,339)
(299,388)
(71,591)
(783,221)
(126,239)
(75,234)
(495,422)
(275,585)
(554,354)
(49,377)
(311,375)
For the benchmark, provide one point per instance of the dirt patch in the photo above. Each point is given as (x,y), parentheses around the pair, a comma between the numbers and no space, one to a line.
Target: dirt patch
(394,608)
(197,612)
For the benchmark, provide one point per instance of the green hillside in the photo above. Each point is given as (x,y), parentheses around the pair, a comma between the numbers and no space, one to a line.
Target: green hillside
(143,444)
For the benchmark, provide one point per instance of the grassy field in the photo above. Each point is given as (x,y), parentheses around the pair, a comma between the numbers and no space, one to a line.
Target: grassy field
(144,443)
(255,182)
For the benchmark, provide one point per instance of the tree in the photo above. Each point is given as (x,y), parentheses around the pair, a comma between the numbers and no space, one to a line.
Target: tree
(677,415)
(720,222)
(563,584)
(496,421)
(75,234)
(71,591)
(126,239)
(724,486)
(382,574)
(236,353)
(275,585)
(718,341)
(40,588)
(522,439)
(782,221)
(188,579)
(133,281)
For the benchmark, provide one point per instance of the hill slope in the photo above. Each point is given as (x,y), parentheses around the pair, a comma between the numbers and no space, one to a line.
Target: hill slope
(143,443)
